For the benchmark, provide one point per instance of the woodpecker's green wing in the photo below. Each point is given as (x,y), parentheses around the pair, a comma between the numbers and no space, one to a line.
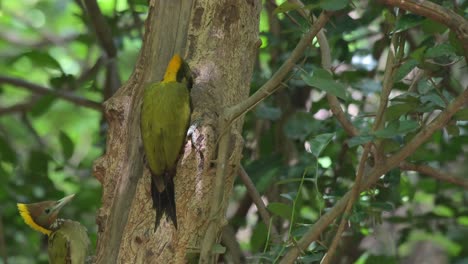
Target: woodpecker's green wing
(164,123)
(68,244)
(165,117)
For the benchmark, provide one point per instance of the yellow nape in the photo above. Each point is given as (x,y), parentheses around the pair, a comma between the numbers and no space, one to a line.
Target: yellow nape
(172,68)
(25,214)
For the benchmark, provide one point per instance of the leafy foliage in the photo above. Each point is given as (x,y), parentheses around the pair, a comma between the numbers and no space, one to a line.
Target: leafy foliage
(298,155)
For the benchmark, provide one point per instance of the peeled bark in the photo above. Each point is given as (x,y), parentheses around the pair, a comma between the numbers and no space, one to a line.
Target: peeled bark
(219,41)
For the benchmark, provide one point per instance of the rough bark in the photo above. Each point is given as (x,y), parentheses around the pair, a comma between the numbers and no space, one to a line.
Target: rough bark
(218,39)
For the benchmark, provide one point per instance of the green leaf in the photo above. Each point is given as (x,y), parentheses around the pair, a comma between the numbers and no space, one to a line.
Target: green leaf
(432,27)
(286,7)
(463,220)
(318,143)
(218,249)
(395,111)
(405,69)
(300,125)
(68,147)
(455,43)
(280,209)
(407,98)
(62,80)
(408,21)
(322,79)
(7,153)
(384,206)
(388,132)
(442,210)
(311,258)
(407,126)
(461,115)
(359,140)
(41,59)
(38,163)
(42,105)
(433,98)
(418,54)
(266,112)
(333,5)
(259,236)
(397,128)
(440,50)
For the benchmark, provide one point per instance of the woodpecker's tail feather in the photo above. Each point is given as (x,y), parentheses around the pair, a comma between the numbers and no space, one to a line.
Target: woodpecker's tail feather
(164,201)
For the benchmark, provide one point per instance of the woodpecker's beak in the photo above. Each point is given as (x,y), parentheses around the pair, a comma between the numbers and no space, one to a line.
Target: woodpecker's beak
(62,202)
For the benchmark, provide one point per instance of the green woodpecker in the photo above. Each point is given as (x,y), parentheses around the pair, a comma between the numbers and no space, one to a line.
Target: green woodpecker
(68,240)
(165,117)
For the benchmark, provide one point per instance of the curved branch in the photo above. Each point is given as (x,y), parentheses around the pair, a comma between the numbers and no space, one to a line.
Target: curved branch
(103,30)
(349,206)
(19,107)
(325,54)
(438,13)
(38,89)
(373,176)
(431,172)
(104,36)
(257,199)
(270,86)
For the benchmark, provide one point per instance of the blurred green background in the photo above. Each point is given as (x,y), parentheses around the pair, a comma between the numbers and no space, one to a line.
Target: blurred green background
(48,143)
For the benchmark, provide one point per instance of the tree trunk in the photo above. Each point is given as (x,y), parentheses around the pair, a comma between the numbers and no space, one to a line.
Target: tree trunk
(219,39)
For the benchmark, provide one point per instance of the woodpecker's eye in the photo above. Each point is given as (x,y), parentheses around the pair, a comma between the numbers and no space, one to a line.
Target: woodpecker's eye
(47,210)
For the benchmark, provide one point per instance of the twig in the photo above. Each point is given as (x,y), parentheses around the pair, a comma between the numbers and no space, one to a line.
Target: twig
(270,86)
(431,172)
(257,199)
(325,54)
(103,30)
(228,238)
(104,35)
(38,89)
(206,255)
(354,195)
(373,176)
(435,12)
(19,107)
(33,131)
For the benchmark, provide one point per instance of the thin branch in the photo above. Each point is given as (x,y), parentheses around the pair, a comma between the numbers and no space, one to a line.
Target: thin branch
(270,86)
(431,172)
(257,199)
(438,13)
(19,107)
(325,53)
(103,30)
(206,254)
(354,195)
(228,238)
(374,174)
(38,89)
(104,36)
(333,102)
(30,127)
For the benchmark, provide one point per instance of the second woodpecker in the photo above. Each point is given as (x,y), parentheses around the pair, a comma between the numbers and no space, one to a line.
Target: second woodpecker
(165,117)
(68,240)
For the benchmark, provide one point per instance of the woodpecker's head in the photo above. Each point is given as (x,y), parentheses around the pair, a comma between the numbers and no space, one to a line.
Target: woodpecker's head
(177,71)
(40,216)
